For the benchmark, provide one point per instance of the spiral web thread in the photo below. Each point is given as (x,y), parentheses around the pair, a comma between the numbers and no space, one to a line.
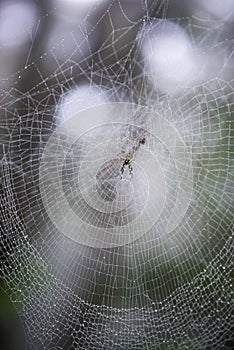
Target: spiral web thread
(160,288)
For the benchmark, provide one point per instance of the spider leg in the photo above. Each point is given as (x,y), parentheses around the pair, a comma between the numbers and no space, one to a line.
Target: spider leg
(122,170)
(130,170)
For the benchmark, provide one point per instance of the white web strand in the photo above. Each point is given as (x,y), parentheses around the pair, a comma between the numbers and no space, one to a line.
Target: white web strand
(94,261)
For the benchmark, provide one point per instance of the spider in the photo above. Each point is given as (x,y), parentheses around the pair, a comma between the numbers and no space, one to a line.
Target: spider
(127,161)
(129,158)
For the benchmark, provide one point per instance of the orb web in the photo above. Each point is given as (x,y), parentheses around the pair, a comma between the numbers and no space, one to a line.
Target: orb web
(117,181)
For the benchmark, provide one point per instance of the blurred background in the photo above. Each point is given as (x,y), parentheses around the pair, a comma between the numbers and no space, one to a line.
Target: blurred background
(58,57)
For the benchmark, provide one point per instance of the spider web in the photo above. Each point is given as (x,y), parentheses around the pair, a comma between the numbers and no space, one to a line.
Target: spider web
(93,261)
